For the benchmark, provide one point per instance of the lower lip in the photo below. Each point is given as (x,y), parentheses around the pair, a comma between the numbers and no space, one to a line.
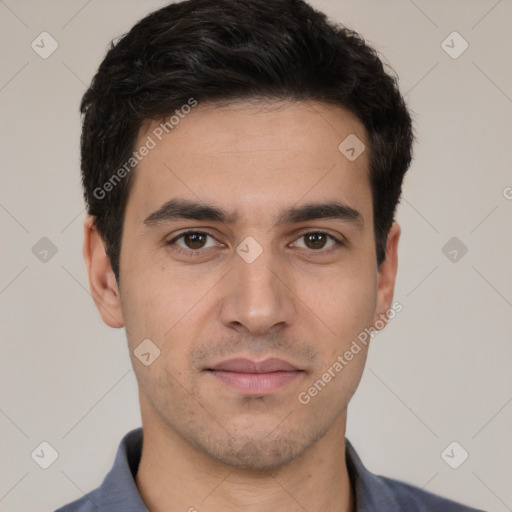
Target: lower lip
(256,383)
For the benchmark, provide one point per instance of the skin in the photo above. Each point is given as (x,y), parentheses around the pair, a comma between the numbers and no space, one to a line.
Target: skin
(207,445)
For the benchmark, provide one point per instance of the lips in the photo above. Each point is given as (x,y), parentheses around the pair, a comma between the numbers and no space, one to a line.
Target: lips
(241,365)
(255,378)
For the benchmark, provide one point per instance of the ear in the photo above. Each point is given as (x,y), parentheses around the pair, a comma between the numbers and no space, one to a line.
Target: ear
(102,281)
(386,276)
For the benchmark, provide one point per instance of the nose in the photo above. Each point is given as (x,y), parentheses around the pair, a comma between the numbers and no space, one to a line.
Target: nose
(258,296)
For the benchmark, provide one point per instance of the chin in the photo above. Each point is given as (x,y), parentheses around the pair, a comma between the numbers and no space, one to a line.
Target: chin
(267,451)
(259,455)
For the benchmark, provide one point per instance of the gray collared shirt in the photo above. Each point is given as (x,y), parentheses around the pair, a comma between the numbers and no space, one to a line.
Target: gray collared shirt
(373,493)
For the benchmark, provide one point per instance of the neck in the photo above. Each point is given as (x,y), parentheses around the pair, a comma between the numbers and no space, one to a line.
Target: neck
(173,475)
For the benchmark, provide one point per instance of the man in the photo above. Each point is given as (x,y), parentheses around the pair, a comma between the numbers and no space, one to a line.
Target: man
(242,161)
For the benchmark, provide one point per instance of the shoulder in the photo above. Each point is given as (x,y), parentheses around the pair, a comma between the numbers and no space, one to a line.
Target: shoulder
(86,503)
(118,492)
(413,499)
(380,493)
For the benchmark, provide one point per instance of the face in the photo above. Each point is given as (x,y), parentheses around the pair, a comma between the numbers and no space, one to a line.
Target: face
(248,246)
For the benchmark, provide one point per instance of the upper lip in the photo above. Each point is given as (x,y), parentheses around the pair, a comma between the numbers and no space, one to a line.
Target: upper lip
(243,365)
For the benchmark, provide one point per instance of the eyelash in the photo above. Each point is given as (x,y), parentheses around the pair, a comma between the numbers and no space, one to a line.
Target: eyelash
(197,252)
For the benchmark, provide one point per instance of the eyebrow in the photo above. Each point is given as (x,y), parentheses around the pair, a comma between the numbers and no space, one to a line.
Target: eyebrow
(177,208)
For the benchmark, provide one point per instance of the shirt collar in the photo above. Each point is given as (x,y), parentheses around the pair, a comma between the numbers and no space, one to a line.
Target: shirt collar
(370,491)
(119,493)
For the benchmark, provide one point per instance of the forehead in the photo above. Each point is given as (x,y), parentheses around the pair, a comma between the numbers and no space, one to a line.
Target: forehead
(252,158)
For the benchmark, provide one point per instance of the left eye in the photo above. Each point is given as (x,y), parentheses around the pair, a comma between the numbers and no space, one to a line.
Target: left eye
(195,241)
(317,239)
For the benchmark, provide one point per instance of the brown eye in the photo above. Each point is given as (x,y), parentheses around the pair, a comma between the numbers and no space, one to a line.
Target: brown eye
(316,240)
(194,240)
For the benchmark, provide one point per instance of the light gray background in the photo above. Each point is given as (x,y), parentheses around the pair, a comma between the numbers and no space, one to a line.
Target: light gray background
(440,372)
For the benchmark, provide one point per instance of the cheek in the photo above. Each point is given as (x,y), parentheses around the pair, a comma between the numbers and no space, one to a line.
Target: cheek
(158,310)
(167,306)
(344,308)
(155,296)
(342,301)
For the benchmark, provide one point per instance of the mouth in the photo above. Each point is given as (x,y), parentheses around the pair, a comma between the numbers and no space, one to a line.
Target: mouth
(255,378)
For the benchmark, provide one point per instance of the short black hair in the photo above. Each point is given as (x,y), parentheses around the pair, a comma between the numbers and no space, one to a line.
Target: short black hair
(221,50)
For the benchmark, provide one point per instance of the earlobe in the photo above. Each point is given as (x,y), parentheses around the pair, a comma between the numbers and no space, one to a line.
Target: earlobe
(387,276)
(102,281)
